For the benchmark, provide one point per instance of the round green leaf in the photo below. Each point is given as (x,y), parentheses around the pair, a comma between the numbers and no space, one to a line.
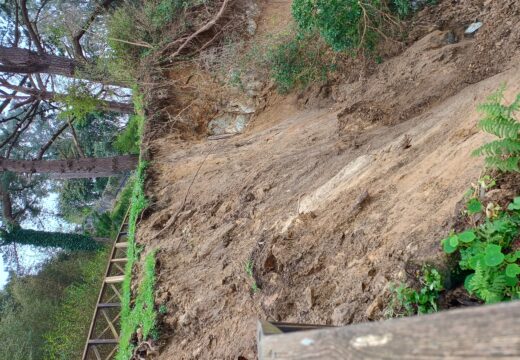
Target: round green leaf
(492,248)
(454,241)
(474,206)
(512,270)
(494,258)
(446,246)
(467,236)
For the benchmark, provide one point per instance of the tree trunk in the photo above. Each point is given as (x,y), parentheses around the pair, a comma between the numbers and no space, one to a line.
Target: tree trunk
(119,107)
(24,61)
(72,168)
(48,239)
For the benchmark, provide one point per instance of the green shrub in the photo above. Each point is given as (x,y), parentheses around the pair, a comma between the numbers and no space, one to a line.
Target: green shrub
(107,224)
(487,255)
(71,322)
(128,141)
(349,24)
(407,301)
(499,120)
(34,312)
(297,61)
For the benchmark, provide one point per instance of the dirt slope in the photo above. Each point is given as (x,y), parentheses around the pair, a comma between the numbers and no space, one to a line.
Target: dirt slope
(330,204)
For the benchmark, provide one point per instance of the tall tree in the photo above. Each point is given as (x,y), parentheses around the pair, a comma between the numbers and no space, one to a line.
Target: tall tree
(72,168)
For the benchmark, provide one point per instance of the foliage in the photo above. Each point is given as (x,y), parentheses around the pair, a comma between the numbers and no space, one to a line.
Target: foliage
(499,120)
(141,313)
(128,141)
(31,304)
(488,256)
(136,28)
(78,103)
(107,224)
(65,241)
(297,61)
(76,197)
(249,267)
(70,323)
(348,24)
(407,301)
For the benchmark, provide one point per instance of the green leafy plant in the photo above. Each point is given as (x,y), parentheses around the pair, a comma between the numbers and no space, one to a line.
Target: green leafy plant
(407,301)
(298,60)
(249,267)
(66,339)
(488,257)
(499,120)
(349,24)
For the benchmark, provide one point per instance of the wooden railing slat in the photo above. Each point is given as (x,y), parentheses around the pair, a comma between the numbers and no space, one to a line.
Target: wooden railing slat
(484,332)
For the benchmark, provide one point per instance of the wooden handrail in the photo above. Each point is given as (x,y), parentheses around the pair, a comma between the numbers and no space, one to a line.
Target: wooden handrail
(100,307)
(483,332)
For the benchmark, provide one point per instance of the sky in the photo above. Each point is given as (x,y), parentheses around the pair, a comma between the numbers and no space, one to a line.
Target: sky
(31,257)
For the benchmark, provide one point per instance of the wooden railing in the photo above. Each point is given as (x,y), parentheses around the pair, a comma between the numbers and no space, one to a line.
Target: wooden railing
(483,332)
(103,336)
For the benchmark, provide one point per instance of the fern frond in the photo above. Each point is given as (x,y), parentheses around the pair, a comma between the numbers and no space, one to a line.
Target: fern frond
(515,106)
(500,126)
(508,164)
(493,110)
(498,148)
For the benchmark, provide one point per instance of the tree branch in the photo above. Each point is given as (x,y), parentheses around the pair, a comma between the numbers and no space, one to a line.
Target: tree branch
(206,27)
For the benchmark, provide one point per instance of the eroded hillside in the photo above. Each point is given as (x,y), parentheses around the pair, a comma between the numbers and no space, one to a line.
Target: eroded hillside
(328,195)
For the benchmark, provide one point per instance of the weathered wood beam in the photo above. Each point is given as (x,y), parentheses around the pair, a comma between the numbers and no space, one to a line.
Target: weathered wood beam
(484,332)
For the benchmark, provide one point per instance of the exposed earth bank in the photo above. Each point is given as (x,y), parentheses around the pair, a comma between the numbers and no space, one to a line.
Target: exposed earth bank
(327,202)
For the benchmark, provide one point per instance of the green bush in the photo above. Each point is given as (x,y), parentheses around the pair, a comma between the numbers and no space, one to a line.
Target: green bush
(499,120)
(487,255)
(107,224)
(349,24)
(71,322)
(407,301)
(128,141)
(34,310)
(297,61)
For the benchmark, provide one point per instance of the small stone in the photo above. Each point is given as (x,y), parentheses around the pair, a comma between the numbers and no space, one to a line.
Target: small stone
(309,298)
(184,320)
(473,28)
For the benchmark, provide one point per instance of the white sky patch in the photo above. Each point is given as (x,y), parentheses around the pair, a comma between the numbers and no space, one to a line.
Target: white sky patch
(31,257)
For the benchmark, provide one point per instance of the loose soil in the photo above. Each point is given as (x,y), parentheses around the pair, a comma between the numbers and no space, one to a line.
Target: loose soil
(330,201)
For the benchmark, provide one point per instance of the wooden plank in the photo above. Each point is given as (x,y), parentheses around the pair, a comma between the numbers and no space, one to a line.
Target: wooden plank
(108,305)
(119,260)
(118,267)
(110,324)
(103,341)
(121,245)
(484,332)
(112,353)
(96,352)
(116,291)
(114,279)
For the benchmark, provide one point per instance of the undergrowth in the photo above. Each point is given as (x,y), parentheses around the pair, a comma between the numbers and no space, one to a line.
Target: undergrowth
(487,254)
(500,121)
(142,314)
(291,60)
(407,301)
(70,324)
(350,25)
